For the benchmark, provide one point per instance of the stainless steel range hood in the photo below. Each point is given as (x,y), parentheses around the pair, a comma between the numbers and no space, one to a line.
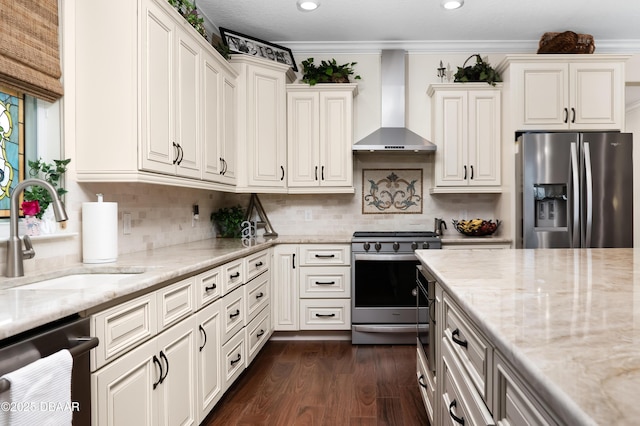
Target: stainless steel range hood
(393,135)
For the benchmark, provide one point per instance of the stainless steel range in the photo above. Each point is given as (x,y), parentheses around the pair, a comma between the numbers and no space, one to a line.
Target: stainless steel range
(383,285)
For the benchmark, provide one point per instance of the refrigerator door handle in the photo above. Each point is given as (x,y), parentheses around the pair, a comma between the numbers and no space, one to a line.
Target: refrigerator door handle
(589,191)
(574,225)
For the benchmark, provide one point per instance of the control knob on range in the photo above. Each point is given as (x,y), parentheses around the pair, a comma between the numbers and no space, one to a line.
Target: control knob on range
(396,246)
(366,246)
(414,245)
(378,246)
(425,245)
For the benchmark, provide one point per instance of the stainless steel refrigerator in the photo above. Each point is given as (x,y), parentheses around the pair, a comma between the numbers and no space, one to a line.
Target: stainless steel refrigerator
(576,190)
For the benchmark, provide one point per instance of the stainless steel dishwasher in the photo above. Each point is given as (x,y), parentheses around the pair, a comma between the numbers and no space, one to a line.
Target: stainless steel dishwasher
(70,333)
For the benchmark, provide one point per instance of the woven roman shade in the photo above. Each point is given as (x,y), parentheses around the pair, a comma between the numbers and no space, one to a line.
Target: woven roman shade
(29,50)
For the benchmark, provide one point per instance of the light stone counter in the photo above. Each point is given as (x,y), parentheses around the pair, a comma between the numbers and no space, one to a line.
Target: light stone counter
(24,309)
(567,320)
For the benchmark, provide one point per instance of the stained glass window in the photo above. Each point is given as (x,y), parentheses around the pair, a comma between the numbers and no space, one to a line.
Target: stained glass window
(12,160)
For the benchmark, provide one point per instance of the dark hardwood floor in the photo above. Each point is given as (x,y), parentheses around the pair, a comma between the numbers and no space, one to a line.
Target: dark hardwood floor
(325,383)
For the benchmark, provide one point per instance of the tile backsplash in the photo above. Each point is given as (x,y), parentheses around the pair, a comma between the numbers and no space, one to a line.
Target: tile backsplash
(162,215)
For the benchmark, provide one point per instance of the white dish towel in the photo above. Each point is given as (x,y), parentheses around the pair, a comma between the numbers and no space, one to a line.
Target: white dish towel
(40,393)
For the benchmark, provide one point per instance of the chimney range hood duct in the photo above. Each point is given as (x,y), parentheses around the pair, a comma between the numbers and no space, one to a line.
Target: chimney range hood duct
(393,135)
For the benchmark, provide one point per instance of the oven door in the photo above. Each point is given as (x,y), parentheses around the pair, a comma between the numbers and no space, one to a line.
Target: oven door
(383,289)
(383,299)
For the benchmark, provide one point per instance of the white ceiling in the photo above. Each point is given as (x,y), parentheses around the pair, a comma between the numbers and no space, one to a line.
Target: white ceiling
(368,21)
(483,26)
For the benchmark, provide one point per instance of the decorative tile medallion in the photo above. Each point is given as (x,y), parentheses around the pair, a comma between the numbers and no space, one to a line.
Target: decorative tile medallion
(391,191)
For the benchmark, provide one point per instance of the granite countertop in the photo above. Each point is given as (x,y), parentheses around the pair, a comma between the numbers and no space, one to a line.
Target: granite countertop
(567,320)
(22,309)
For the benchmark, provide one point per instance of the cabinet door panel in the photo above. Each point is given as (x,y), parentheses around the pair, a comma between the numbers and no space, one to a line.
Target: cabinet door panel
(187,113)
(545,96)
(229,137)
(212,116)
(303,137)
(123,391)
(594,96)
(284,302)
(158,122)
(209,345)
(484,138)
(267,155)
(452,136)
(336,159)
(176,347)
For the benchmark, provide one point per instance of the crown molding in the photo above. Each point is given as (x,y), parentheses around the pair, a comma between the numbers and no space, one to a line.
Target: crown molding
(447,46)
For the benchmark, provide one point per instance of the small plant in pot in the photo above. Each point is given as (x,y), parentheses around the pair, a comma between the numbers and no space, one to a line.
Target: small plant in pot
(228,220)
(52,173)
(481,71)
(327,72)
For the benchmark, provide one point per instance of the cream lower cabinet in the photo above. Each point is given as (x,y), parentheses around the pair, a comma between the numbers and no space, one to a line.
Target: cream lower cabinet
(147,106)
(320,138)
(312,287)
(467,128)
(209,344)
(566,92)
(475,384)
(153,384)
(167,357)
(285,304)
(262,124)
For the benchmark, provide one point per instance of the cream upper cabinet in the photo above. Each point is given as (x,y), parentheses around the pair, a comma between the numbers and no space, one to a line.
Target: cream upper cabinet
(171,107)
(220,127)
(566,92)
(142,96)
(466,128)
(262,124)
(320,138)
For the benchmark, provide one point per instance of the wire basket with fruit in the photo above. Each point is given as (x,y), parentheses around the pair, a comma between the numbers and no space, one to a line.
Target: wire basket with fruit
(476,227)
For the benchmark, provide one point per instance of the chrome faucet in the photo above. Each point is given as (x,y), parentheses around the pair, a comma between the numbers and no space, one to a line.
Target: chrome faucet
(15,254)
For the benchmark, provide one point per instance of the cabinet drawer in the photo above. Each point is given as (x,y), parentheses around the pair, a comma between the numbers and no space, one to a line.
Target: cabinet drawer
(257,264)
(233,311)
(325,254)
(122,327)
(471,349)
(325,314)
(459,398)
(175,302)
(232,275)
(257,295)
(233,359)
(208,287)
(325,282)
(257,334)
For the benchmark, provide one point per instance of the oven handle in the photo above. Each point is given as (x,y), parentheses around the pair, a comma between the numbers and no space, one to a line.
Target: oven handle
(385,328)
(387,257)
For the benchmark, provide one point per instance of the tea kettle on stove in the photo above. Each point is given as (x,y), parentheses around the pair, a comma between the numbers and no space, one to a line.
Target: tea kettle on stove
(437,226)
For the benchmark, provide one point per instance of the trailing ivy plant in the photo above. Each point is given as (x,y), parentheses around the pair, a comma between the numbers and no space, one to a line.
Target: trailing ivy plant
(190,13)
(481,71)
(327,72)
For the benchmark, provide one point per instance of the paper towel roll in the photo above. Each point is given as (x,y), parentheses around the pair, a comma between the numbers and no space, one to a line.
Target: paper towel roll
(99,232)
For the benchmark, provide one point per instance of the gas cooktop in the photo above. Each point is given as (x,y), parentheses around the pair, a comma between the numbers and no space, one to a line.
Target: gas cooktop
(400,234)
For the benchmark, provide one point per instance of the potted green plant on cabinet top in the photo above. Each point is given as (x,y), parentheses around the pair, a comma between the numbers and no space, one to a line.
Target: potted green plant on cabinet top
(327,72)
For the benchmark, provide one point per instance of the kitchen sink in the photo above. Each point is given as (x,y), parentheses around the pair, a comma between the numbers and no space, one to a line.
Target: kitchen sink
(77,281)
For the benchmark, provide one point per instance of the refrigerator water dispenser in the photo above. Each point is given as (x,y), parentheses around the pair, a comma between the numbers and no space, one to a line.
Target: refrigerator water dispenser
(551,205)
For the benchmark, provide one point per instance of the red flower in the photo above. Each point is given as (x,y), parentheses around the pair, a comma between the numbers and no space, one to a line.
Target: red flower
(30,208)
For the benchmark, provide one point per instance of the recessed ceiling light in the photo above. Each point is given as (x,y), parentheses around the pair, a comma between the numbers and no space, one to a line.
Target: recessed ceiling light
(452,4)
(308,5)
